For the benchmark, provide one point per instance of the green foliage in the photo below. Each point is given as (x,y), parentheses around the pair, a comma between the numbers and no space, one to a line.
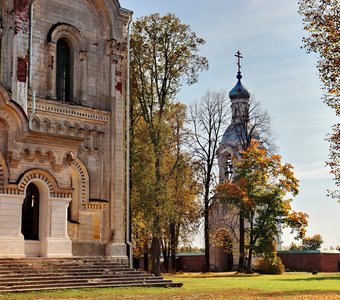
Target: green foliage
(164,55)
(222,238)
(258,190)
(270,265)
(312,243)
(321,21)
(294,247)
(190,249)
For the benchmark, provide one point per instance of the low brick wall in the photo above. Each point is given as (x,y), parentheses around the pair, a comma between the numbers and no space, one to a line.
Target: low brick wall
(310,261)
(192,262)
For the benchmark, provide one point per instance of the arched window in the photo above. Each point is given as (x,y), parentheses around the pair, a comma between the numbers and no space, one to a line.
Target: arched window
(63,85)
(67,61)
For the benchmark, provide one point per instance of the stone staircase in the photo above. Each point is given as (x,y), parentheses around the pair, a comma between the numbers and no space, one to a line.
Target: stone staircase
(33,274)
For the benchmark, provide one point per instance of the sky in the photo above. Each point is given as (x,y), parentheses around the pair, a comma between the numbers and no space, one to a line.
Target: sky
(279,74)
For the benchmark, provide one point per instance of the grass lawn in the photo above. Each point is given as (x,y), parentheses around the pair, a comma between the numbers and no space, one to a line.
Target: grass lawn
(213,286)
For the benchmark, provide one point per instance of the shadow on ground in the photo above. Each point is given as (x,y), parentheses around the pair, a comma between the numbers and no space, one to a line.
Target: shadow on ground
(300,295)
(312,278)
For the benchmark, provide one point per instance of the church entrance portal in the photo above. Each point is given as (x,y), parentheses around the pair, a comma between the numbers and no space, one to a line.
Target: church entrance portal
(30,213)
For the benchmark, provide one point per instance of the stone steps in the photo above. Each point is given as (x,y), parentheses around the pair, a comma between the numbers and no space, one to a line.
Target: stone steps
(31,274)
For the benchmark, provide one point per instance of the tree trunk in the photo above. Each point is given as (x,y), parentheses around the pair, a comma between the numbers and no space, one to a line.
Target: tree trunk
(241,246)
(173,248)
(146,257)
(206,234)
(155,256)
(156,241)
(251,244)
(249,268)
(166,256)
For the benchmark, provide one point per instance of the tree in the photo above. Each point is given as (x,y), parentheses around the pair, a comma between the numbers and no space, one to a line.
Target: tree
(259,187)
(182,214)
(208,119)
(180,210)
(294,247)
(312,243)
(222,238)
(250,123)
(321,21)
(164,55)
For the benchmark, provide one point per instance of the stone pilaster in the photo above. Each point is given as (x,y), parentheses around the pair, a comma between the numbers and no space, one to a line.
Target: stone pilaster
(51,78)
(83,56)
(21,52)
(12,242)
(56,242)
(117,220)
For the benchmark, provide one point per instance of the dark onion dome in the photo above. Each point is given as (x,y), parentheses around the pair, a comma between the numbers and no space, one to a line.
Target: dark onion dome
(239,91)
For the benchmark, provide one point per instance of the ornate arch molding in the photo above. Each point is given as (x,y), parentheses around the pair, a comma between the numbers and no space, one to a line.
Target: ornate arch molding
(11,113)
(83,174)
(47,178)
(71,33)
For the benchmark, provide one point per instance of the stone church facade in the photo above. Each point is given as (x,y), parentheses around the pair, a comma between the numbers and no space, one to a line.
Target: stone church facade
(62,128)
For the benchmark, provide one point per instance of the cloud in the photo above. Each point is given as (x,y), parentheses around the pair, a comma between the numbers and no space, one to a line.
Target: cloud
(312,171)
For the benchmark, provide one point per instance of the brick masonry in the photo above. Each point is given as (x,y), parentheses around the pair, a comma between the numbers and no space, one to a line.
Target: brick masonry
(310,261)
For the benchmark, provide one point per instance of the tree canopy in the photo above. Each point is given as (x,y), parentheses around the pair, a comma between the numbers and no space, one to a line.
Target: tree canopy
(312,243)
(322,22)
(259,188)
(164,55)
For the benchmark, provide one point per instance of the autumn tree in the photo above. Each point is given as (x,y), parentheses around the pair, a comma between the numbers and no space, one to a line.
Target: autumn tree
(259,187)
(321,21)
(312,243)
(208,119)
(141,189)
(164,55)
(253,124)
(182,211)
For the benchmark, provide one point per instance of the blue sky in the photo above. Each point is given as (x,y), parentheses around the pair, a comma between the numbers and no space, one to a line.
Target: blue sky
(279,74)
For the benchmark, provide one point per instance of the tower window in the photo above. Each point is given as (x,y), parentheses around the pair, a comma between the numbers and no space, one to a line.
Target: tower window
(63,71)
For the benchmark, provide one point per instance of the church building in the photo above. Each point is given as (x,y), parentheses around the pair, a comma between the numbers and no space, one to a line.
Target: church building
(222,219)
(225,221)
(62,128)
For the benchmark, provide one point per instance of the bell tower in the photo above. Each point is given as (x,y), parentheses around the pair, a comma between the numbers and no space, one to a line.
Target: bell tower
(235,133)
(223,220)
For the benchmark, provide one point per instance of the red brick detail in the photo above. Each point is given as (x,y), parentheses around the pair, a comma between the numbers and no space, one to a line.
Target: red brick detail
(191,263)
(119,86)
(22,69)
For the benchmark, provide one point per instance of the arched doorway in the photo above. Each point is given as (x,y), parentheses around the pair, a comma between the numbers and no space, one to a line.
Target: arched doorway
(30,213)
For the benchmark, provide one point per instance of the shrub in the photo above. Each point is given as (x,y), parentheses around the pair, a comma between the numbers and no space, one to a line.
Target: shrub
(270,265)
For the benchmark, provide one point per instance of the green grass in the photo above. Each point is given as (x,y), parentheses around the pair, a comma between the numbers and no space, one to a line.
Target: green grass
(213,286)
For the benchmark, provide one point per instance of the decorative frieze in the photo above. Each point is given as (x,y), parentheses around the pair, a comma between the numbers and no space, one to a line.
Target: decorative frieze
(81,113)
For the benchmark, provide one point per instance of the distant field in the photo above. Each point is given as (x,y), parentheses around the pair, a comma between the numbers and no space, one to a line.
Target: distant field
(213,286)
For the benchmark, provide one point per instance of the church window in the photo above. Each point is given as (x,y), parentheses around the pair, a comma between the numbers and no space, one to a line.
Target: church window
(66,56)
(63,71)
